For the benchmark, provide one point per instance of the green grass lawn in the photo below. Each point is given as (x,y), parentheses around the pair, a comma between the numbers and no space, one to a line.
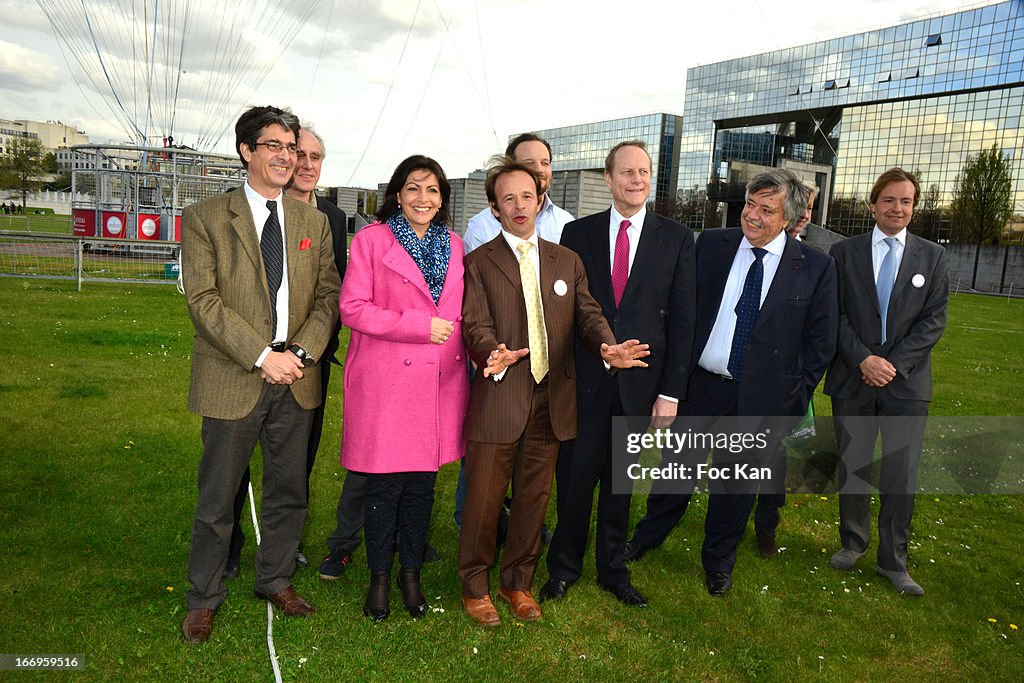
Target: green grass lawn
(32,222)
(98,459)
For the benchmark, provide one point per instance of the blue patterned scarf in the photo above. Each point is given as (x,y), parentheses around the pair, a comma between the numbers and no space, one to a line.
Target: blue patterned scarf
(431,253)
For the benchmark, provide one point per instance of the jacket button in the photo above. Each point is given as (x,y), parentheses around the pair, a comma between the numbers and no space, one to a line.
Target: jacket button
(408,362)
(405,280)
(459,319)
(458,357)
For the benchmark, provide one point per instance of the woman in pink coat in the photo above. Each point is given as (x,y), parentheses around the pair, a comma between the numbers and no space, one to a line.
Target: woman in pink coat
(406,385)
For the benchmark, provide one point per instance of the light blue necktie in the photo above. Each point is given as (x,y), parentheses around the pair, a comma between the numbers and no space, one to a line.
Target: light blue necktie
(886,279)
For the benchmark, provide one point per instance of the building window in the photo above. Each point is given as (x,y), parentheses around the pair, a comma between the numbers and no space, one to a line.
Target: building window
(830,85)
(933,40)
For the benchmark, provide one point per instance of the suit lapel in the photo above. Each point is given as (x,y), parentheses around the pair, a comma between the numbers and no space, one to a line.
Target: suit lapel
(908,267)
(597,236)
(730,244)
(548,272)
(646,255)
(502,256)
(451,279)
(865,271)
(292,237)
(788,270)
(398,260)
(244,227)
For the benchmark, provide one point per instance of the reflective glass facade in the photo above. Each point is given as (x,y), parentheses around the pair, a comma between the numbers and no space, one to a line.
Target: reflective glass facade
(923,95)
(583,147)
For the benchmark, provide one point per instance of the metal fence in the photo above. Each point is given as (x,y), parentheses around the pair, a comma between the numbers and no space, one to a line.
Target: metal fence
(88,259)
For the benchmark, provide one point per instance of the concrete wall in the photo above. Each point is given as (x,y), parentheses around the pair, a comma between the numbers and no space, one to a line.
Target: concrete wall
(1000,268)
(581,193)
(468,199)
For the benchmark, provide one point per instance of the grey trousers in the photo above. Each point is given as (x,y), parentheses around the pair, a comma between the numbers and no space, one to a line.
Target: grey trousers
(858,422)
(281,427)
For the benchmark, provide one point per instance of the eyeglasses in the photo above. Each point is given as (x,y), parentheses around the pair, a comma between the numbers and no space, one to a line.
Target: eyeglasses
(313,156)
(276,147)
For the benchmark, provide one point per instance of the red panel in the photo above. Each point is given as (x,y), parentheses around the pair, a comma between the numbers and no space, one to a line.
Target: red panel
(114,223)
(83,222)
(148,226)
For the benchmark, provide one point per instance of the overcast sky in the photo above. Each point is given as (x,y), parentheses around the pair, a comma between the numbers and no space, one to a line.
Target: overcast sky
(500,67)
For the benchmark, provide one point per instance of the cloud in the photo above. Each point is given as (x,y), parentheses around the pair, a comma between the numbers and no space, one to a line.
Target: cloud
(25,70)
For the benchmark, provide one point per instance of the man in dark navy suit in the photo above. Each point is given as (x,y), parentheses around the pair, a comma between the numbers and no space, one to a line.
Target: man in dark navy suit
(765,333)
(641,270)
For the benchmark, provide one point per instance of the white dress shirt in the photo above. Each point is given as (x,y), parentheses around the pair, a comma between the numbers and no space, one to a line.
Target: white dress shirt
(260,213)
(715,357)
(484,227)
(879,249)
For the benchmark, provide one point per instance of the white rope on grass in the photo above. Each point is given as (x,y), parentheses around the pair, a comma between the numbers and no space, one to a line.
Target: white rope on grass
(270,608)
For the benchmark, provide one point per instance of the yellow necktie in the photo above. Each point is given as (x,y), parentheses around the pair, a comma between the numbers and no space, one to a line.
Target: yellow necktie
(534,314)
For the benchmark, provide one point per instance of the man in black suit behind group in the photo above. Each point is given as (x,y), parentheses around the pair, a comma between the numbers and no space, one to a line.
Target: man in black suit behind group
(308,163)
(641,270)
(893,294)
(765,333)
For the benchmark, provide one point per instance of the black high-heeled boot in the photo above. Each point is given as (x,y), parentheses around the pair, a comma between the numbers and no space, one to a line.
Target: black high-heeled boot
(412,593)
(378,598)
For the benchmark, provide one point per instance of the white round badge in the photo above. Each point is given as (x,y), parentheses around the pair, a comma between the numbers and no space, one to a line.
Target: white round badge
(560,287)
(149,227)
(917,281)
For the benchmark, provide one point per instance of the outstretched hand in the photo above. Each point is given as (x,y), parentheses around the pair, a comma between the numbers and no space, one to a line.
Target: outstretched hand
(626,355)
(501,358)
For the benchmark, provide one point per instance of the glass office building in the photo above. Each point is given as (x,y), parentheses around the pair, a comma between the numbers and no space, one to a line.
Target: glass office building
(923,95)
(583,147)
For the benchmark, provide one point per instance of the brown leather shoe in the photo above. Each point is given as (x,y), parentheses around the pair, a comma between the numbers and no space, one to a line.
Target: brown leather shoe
(524,607)
(288,601)
(197,625)
(482,610)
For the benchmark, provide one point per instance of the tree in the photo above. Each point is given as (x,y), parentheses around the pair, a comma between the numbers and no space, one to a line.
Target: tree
(21,166)
(931,220)
(983,197)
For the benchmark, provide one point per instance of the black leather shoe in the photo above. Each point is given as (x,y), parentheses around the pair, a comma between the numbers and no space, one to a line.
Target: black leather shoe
(766,544)
(633,551)
(378,598)
(233,568)
(412,594)
(430,554)
(554,589)
(626,593)
(718,583)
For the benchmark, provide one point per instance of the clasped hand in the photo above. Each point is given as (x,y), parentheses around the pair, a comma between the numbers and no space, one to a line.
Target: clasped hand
(877,371)
(281,367)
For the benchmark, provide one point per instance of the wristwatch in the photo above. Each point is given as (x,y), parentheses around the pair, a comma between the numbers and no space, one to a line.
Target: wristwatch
(301,354)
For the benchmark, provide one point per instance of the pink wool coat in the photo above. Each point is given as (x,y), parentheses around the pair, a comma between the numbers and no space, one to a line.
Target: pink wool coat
(405,398)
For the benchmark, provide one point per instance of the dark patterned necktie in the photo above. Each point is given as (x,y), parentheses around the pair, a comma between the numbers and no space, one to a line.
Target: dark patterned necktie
(747,309)
(273,258)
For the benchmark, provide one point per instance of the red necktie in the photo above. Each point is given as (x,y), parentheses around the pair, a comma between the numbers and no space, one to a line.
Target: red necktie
(620,265)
